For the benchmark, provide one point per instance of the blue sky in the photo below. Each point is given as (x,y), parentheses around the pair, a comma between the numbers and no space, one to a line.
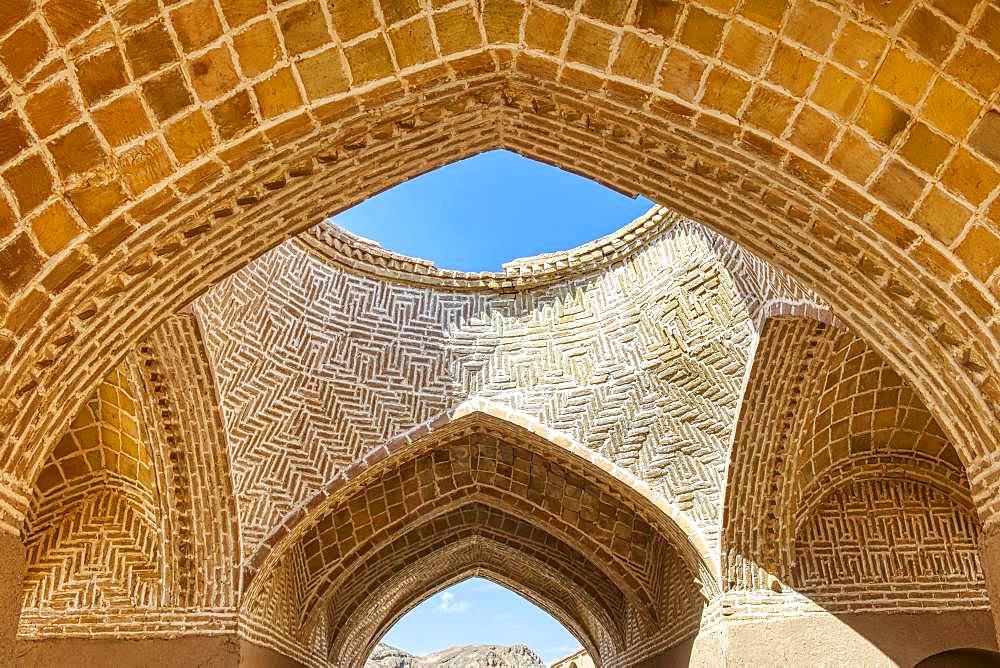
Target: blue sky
(475,215)
(480,611)
(478,213)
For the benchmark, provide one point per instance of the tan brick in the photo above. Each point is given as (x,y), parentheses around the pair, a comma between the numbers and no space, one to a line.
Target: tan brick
(369,60)
(813,25)
(837,91)
(768,13)
(190,137)
(637,59)
(950,109)
(855,157)
(23,50)
(213,74)
(352,19)
(150,49)
(930,35)
(19,262)
(924,148)
(905,78)
(77,151)
(323,74)
(51,109)
(277,94)
(501,18)
(94,201)
(54,228)
(701,31)
(234,115)
(978,67)
(659,16)
(882,118)
(980,251)
(457,30)
(970,177)
(898,186)
(122,120)
(238,12)
(304,27)
(682,74)
(590,44)
(167,94)
(144,166)
(813,132)
(257,49)
(986,137)
(608,11)
(31,182)
(196,24)
(545,30)
(791,69)
(746,48)
(101,75)
(725,91)
(942,216)
(858,48)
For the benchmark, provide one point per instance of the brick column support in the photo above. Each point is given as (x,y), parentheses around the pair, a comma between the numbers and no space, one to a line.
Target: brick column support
(12,568)
(989,549)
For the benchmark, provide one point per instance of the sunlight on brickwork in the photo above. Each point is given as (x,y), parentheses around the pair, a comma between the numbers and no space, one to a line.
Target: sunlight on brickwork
(232,431)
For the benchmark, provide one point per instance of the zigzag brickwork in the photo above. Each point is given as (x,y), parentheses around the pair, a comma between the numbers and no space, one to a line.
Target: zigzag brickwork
(641,361)
(195,368)
(853,145)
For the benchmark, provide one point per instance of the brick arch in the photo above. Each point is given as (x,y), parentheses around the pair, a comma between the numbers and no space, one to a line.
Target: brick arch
(520,425)
(828,427)
(474,476)
(471,557)
(852,145)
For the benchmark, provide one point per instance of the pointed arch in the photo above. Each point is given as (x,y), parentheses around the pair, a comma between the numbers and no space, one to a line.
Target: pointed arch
(485,473)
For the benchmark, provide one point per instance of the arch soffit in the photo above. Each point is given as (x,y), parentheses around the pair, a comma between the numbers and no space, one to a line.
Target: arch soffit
(440,574)
(683,534)
(906,464)
(950,350)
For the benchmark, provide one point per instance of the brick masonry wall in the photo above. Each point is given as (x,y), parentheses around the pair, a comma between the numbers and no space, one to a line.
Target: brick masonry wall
(851,144)
(641,362)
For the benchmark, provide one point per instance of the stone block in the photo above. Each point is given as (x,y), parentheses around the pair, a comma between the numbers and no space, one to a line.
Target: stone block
(234,115)
(51,108)
(213,74)
(304,27)
(457,30)
(190,137)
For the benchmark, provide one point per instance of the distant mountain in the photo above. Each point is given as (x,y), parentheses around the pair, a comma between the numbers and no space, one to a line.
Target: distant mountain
(466,656)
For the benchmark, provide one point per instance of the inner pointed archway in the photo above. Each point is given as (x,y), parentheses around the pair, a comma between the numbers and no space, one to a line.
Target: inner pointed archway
(482,609)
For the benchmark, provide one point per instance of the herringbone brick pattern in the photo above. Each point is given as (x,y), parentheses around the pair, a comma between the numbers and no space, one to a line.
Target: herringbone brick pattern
(641,362)
(850,143)
(842,485)
(889,543)
(480,479)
